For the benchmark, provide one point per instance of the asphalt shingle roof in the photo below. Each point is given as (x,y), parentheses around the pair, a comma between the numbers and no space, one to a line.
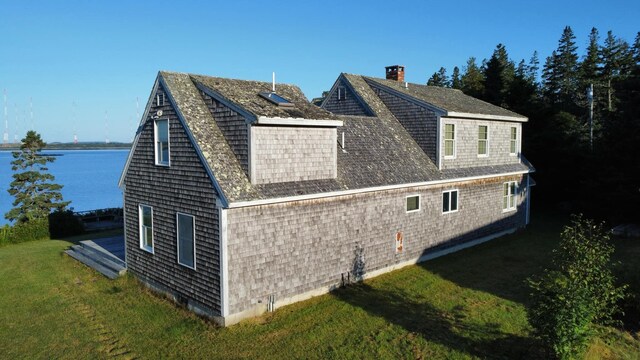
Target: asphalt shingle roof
(450,100)
(378,150)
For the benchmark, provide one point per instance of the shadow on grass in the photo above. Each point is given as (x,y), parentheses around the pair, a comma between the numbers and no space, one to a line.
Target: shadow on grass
(451,329)
(502,266)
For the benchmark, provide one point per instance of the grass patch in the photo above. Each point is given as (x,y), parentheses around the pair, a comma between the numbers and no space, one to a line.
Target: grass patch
(470,304)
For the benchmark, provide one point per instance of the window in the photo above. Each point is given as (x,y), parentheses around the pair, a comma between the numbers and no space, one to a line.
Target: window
(145,218)
(509,196)
(186,240)
(483,139)
(341,93)
(162,142)
(160,99)
(413,203)
(513,149)
(276,99)
(449,140)
(449,201)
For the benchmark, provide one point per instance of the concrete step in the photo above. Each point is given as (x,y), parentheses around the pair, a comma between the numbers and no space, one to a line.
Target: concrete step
(111,274)
(101,258)
(93,247)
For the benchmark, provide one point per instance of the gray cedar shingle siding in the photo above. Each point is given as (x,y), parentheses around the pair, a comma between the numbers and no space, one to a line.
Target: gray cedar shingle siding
(286,153)
(183,187)
(234,128)
(350,105)
(420,122)
(292,248)
(467,143)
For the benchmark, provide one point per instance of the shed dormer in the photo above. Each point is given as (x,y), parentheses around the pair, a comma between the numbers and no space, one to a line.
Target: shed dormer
(287,149)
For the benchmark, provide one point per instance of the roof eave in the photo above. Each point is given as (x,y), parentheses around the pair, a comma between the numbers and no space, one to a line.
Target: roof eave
(263,120)
(486,116)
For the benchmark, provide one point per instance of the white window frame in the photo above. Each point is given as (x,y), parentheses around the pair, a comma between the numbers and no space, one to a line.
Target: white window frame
(342,95)
(160,99)
(510,197)
(444,137)
(449,195)
(406,204)
(486,154)
(513,142)
(155,143)
(193,222)
(142,229)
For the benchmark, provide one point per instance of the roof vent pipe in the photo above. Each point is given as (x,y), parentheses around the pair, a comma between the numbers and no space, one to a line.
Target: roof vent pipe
(273,82)
(406,85)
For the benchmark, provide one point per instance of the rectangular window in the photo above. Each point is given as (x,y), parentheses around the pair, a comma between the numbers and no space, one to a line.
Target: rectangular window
(483,139)
(513,149)
(341,93)
(162,142)
(160,100)
(449,140)
(449,201)
(186,228)
(509,196)
(413,203)
(145,218)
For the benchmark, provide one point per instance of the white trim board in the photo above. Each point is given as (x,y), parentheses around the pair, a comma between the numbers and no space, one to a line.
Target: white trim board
(241,204)
(263,120)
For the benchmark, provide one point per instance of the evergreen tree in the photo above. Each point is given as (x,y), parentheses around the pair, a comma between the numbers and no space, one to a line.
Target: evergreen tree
(533,68)
(635,50)
(498,75)
(590,63)
(456,83)
(439,78)
(472,79)
(560,73)
(32,187)
(617,59)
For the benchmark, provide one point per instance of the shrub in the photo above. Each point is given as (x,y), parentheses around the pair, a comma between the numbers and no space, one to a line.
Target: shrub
(28,231)
(578,292)
(63,223)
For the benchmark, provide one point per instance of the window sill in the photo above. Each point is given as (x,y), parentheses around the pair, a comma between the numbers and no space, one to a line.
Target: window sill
(449,212)
(146,249)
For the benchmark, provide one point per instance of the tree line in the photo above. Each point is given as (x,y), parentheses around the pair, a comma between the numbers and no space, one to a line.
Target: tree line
(581,165)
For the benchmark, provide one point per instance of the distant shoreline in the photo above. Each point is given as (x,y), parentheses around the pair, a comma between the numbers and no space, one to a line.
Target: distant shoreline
(72,146)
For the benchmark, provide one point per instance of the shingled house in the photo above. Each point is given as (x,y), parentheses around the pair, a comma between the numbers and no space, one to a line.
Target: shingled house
(241,196)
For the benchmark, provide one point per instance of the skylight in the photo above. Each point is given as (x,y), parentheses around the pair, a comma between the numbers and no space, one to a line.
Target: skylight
(276,99)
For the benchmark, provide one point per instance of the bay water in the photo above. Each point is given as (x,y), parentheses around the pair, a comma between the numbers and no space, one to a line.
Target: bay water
(90,178)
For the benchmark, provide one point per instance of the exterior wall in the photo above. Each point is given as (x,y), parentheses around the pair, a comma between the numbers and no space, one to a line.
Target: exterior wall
(288,249)
(466,152)
(420,122)
(182,187)
(234,128)
(281,154)
(349,106)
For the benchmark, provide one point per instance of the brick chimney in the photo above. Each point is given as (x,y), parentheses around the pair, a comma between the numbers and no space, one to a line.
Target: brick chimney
(395,72)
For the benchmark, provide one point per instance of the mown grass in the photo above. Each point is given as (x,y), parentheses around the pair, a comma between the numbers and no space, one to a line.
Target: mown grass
(471,304)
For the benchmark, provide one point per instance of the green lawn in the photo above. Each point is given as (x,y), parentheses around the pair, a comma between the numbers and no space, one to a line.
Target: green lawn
(466,305)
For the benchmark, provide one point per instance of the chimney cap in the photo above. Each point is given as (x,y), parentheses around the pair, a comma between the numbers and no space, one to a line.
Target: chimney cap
(394,67)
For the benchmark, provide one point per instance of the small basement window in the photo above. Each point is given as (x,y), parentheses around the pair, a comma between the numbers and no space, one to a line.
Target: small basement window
(276,99)
(413,203)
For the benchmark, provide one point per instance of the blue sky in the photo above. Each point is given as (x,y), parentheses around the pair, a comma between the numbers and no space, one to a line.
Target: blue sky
(102,55)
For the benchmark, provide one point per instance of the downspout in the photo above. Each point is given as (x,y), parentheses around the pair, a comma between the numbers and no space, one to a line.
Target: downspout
(438,142)
(528,200)
(124,222)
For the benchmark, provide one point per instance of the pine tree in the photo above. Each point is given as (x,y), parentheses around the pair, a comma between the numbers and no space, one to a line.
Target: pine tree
(533,68)
(617,60)
(560,73)
(498,75)
(32,186)
(635,50)
(439,78)
(456,83)
(590,63)
(472,79)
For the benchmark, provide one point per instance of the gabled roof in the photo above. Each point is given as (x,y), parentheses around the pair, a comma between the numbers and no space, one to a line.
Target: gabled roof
(378,151)
(451,102)
(245,94)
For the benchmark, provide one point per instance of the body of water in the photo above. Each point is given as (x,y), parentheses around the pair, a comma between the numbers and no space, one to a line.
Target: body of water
(90,178)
